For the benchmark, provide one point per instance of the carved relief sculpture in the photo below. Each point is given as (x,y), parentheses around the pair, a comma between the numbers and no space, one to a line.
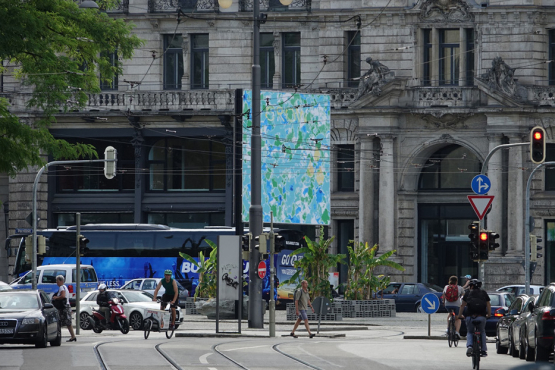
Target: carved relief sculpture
(372,81)
(500,77)
(445,10)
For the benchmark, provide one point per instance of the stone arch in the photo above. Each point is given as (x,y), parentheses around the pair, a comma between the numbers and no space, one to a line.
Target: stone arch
(409,178)
(344,131)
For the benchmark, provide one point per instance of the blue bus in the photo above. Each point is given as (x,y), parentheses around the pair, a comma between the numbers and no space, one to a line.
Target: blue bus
(122,252)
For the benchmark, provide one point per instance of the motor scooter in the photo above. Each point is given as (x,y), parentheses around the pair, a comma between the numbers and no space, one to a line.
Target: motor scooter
(118,320)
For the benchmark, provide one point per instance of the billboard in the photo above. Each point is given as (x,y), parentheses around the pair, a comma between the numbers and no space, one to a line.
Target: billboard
(295,153)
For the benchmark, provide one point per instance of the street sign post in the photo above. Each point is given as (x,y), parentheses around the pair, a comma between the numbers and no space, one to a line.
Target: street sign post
(430,305)
(262,269)
(480,184)
(480,204)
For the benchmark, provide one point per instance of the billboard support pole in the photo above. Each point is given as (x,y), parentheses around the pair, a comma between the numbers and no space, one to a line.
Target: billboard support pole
(272,279)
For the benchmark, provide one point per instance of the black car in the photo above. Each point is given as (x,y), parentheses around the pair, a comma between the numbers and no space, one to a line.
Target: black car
(498,301)
(28,317)
(519,308)
(408,296)
(537,334)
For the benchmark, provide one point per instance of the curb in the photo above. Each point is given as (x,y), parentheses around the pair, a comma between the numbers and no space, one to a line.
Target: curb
(439,337)
(236,335)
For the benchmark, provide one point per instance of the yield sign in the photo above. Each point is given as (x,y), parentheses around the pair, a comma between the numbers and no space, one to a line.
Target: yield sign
(480,203)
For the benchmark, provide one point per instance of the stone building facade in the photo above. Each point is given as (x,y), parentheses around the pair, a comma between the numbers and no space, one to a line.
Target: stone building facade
(421,91)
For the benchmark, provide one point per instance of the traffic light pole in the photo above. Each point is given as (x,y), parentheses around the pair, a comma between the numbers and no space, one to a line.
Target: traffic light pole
(34,215)
(527,230)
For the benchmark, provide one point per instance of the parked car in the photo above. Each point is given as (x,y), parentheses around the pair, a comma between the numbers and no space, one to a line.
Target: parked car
(28,317)
(517,330)
(504,341)
(408,296)
(499,302)
(538,330)
(520,289)
(135,304)
(46,279)
(5,286)
(149,285)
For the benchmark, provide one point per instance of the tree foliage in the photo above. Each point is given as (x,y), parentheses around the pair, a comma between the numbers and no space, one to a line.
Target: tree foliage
(57,51)
(207,272)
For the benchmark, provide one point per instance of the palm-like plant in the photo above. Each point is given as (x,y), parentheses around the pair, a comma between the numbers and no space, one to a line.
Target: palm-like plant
(315,265)
(206,287)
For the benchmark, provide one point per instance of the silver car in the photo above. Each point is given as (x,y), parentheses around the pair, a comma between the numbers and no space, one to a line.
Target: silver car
(149,285)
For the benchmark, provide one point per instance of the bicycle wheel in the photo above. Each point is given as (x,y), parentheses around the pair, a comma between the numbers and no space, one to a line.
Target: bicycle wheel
(147,327)
(455,336)
(476,353)
(450,333)
(169,333)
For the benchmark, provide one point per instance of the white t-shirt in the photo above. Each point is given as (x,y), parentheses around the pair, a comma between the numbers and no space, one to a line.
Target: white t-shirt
(456,303)
(62,288)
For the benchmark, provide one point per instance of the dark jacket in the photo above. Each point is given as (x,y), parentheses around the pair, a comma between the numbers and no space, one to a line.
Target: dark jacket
(102,299)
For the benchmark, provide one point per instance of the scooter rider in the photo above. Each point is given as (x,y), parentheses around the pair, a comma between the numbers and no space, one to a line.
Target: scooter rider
(170,296)
(102,300)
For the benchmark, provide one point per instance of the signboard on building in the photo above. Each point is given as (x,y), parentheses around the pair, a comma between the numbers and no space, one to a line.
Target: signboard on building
(295,169)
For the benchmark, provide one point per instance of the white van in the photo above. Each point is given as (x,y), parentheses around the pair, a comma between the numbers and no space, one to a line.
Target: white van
(46,279)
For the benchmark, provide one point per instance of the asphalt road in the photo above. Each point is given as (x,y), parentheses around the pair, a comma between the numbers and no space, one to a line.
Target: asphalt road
(381,347)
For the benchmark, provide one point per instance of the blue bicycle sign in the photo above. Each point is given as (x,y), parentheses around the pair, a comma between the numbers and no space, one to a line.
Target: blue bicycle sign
(480,184)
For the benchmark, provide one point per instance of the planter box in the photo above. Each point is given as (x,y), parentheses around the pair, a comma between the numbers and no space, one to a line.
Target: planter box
(190,307)
(335,315)
(370,308)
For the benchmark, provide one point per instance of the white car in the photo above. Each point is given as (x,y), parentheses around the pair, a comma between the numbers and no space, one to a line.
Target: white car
(519,289)
(149,285)
(135,305)
(5,286)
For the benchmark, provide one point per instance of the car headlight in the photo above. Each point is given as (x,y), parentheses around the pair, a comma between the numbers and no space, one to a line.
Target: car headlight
(30,321)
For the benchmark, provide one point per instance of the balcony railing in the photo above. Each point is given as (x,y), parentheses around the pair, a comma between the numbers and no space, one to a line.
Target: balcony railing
(275,5)
(161,6)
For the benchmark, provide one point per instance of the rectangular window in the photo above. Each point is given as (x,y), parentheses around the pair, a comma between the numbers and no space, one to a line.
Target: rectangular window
(111,84)
(353,58)
(346,168)
(469,56)
(199,61)
(267,61)
(173,61)
(427,80)
(549,171)
(291,59)
(551,57)
(449,57)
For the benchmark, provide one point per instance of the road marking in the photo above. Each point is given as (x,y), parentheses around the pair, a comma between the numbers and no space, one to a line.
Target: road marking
(238,349)
(203,359)
(319,358)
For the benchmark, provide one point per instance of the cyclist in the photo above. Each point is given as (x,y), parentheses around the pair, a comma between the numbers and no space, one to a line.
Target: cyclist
(466,285)
(479,309)
(102,301)
(170,295)
(452,294)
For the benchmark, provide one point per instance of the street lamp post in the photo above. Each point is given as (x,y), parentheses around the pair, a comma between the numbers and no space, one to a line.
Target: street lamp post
(256,313)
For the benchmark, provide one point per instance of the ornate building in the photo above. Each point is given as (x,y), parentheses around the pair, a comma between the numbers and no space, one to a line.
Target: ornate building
(445,81)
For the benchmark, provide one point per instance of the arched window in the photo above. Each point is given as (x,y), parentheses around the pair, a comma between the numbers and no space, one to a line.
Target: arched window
(450,168)
(187,165)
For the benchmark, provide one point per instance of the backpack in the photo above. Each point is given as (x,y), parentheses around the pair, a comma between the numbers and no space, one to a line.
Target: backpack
(452,293)
(476,303)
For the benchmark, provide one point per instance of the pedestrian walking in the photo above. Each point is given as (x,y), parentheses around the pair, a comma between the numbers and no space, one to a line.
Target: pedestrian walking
(61,302)
(302,301)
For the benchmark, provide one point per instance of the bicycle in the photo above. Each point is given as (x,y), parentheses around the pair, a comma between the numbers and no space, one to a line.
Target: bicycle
(452,336)
(476,345)
(158,321)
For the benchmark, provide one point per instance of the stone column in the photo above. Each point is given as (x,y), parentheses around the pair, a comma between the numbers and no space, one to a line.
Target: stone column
(515,207)
(277,56)
(495,217)
(387,195)
(434,63)
(185,79)
(366,190)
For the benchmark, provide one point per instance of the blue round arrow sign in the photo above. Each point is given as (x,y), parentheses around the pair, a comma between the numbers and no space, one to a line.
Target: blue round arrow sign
(480,184)
(429,303)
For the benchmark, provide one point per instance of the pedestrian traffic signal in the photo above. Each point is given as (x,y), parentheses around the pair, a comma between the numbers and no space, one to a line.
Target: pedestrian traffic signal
(246,245)
(473,236)
(483,244)
(83,249)
(537,145)
(534,247)
(492,244)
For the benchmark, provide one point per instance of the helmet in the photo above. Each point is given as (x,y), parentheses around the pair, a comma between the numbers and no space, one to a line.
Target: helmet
(475,282)
(168,272)
(102,287)
(468,276)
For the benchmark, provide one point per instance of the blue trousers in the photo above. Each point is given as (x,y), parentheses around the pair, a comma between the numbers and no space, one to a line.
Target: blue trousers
(471,329)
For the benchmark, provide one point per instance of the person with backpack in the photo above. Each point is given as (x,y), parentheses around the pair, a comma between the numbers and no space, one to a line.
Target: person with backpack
(478,306)
(452,294)
(302,301)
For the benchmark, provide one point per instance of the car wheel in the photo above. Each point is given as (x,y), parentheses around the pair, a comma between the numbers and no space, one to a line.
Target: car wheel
(136,320)
(84,322)
(541,353)
(419,308)
(58,341)
(529,351)
(521,350)
(512,348)
(500,349)
(43,340)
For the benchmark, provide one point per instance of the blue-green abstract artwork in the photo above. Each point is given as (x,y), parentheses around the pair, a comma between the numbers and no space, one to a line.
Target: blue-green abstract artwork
(295,151)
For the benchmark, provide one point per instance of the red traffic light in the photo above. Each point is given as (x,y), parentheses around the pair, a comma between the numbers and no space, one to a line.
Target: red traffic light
(483,236)
(537,135)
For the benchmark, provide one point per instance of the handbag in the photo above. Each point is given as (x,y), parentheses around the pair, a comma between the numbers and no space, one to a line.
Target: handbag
(60,304)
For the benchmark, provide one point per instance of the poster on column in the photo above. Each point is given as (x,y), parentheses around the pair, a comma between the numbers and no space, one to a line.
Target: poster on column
(295,156)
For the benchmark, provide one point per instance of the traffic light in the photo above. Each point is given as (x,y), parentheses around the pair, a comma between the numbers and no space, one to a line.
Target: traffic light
(534,248)
(83,249)
(110,167)
(492,244)
(28,248)
(246,245)
(41,244)
(262,240)
(275,241)
(484,244)
(537,145)
(473,236)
